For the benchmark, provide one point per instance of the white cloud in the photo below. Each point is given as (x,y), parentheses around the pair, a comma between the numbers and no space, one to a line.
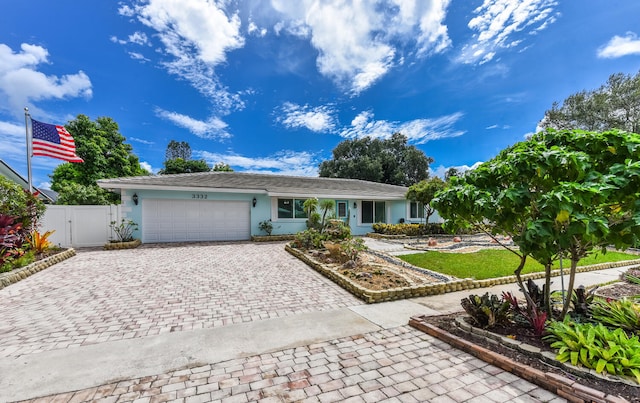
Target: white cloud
(13,141)
(284,162)
(196,35)
(139,38)
(147,167)
(318,119)
(619,46)
(212,128)
(141,141)
(21,82)
(418,131)
(358,41)
(138,56)
(441,170)
(497,21)
(253,29)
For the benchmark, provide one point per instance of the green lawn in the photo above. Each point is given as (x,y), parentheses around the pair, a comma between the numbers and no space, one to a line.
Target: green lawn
(491,263)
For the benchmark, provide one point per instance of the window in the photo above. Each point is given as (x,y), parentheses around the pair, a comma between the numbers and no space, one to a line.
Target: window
(291,208)
(416,210)
(342,209)
(372,212)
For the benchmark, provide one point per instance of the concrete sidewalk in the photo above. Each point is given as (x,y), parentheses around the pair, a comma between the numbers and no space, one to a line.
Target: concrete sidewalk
(112,369)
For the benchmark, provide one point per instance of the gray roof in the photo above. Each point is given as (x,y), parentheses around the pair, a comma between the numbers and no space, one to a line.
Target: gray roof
(272,185)
(11,174)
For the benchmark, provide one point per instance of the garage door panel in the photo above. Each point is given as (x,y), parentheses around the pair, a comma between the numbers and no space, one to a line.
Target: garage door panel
(194,220)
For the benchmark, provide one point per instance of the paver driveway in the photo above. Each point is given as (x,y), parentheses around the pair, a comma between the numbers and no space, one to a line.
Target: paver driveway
(100,296)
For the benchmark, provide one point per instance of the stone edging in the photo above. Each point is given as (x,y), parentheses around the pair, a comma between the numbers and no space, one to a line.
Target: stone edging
(375,296)
(16,275)
(558,384)
(545,356)
(122,245)
(272,238)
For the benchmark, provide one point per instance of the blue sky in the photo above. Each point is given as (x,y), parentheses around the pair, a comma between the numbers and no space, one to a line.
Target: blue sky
(274,85)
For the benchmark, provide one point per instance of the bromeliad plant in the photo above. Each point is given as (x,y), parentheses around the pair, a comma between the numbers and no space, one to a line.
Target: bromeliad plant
(487,310)
(596,347)
(535,317)
(38,242)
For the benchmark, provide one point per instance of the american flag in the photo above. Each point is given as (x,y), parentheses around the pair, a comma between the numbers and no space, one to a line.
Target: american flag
(53,141)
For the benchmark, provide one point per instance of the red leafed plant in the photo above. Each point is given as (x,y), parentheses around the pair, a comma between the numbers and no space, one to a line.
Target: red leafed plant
(11,238)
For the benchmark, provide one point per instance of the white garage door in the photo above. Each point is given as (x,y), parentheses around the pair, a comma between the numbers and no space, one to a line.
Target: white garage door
(194,220)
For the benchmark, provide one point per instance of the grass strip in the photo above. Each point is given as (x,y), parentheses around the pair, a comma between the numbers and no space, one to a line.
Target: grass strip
(492,263)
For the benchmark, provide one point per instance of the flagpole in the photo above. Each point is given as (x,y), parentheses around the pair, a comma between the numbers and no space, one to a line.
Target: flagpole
(26,128)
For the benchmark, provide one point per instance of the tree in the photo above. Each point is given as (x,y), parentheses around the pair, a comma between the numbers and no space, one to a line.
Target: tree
(105,155)
(569,192)
(389,161)
(615,105)
(178,160)
(451,172)
(177,149)
(21,204)
(180,166)
(222,167)
(423,192)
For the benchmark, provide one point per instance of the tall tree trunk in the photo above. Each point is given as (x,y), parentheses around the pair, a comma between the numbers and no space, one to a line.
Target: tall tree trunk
(572,278)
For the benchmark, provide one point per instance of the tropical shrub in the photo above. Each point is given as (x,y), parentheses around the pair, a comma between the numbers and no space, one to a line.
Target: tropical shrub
(266,226)
(38,242)
(19,203)
(309,239)
(11,239)
(596,347)
(352,248)
(487,310)
(623,314)
(124,230)
(534,316)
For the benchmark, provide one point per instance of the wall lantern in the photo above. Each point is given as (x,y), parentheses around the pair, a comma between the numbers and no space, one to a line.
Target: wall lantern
(355,205)
(135,199)
(255,202)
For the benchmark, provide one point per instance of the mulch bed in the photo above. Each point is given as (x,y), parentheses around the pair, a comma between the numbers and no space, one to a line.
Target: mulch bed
(447,322)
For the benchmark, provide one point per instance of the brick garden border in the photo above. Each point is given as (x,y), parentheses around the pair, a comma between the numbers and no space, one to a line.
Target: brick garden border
(562,386)
(16,275)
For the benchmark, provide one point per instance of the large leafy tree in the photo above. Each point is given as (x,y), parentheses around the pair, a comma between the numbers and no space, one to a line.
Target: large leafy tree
(423,192)
(105,154)
(564,192)
(390,161)
(615,105)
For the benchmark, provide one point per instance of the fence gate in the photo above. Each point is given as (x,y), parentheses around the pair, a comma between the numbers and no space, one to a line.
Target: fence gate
(80,226)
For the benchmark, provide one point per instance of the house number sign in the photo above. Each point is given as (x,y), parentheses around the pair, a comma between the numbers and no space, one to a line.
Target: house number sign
(198,196)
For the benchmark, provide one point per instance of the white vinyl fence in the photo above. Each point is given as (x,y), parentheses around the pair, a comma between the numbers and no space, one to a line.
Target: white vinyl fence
(80,226)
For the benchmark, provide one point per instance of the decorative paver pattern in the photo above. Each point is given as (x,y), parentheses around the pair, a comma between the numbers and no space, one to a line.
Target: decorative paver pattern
(395,365)
(100,296)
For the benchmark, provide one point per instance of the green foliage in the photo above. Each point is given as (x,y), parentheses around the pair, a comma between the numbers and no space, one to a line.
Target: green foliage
(222,167)
(124,230)
(623,314)
(569,191)
(105,155)
(491,263)
(309,239)
(266,226)
(72,193)
(337,230)
(596,347)
(17,261)
(615,105)
(407,229)
(581,301)
(451,172)
(181,166)
(423,192)
(12,236)
(534,316)
(487,310)
(389,161)
(631,276)
(352,248)
(19,203)
(315,219)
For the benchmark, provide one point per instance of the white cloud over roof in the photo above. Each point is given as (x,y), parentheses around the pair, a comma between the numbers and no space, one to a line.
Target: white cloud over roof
(212,128)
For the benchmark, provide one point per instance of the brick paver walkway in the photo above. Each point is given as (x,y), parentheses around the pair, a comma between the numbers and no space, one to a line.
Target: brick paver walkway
(395,365)
(100,296)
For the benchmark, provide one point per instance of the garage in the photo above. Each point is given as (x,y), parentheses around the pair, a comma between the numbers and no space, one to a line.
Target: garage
(166,220)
